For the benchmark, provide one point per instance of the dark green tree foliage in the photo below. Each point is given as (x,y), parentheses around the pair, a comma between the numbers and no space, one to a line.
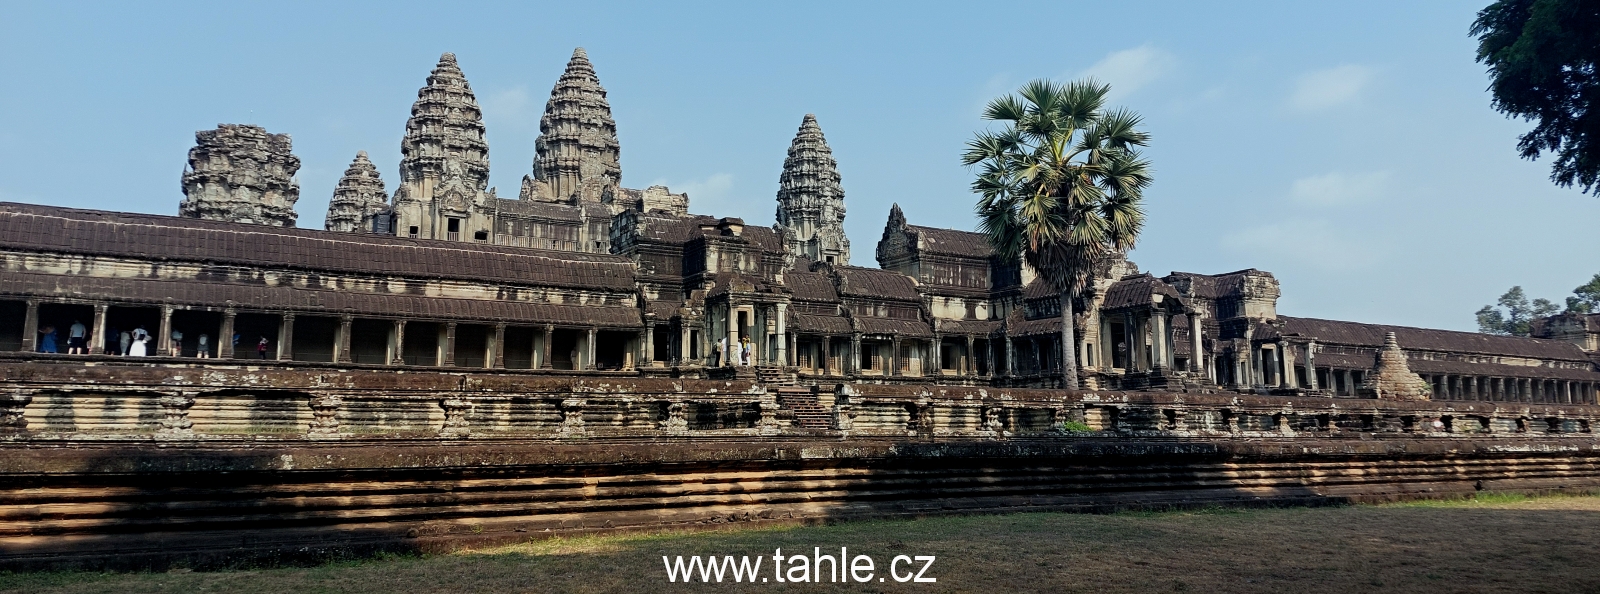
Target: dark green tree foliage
(1542,57)
(1515,314)
(1061,187)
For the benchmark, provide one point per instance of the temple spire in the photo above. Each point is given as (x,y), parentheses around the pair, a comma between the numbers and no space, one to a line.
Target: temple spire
(810,198)
(359,200)
(578,156)
(241,173)
(444,163)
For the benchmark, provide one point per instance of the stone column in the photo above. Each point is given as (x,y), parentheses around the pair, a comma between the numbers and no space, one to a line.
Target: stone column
(398,356)
(497,352)
(164,338)
(1158,341)
(588,349)
(30,327)
(341,340)
(1197,364)
(225,335)
(972,359)
(549,339)
(97,340)
(938,357)
(1311,365)
(733,337)
(649,337)
(852,361)
(1011,356)
(783,334)
(1290,379)
(286,338)
(447,351)
(894,356)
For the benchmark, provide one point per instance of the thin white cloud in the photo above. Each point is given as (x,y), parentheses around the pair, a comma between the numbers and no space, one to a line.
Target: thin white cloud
(1132,69)
(710,195)
(514,107)
(1339,188)
(1333,87)
(1311,243)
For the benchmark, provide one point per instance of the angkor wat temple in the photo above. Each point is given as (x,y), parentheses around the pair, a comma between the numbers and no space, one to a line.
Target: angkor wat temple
(387,348)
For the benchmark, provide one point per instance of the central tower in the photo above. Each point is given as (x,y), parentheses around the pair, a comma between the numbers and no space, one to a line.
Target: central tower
(578,154)
(810,199)
(444,162)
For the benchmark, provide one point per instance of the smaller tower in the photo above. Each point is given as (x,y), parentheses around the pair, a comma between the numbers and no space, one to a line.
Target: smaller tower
(811,200)
(243,174)
(359,202)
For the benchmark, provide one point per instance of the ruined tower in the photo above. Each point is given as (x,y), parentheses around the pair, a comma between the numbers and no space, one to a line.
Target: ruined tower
(810,199)
(444,164)
(359,202)
(578,153)
(241,173)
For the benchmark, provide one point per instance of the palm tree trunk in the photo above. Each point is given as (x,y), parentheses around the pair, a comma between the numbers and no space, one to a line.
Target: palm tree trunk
(1069,343)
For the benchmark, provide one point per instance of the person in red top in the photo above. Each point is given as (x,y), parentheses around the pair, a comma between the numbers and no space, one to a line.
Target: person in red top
(261,347)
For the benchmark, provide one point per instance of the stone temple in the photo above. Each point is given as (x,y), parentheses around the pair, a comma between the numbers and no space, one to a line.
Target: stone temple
(587,329)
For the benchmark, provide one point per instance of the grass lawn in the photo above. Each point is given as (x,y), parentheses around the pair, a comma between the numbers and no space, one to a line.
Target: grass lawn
(1497,544)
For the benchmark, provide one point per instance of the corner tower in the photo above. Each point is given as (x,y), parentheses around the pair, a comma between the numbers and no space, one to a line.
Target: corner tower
(241,173)
(578,155)
(810,199)
(444,163)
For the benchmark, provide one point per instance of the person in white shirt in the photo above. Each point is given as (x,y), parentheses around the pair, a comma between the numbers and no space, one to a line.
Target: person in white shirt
(75,342)
(203,352)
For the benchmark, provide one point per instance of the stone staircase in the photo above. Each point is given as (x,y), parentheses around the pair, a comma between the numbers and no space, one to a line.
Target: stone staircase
(808,413)
(772,375)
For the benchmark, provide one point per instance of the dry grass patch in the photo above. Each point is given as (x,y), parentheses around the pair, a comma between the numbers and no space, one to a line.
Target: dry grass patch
(1495,544)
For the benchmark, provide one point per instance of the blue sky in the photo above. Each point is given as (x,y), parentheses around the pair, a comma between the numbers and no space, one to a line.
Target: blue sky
(1347,147)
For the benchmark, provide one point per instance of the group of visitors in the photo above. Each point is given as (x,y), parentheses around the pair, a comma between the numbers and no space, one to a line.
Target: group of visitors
(739,354)
(130,343)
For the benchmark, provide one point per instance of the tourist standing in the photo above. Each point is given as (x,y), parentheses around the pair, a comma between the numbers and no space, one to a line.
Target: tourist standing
(261,347)
(124,341)
(138,347)
(140,334)
(744,351)
(75,339)
(726,355)
(177,343)
(203,351)
(47,344)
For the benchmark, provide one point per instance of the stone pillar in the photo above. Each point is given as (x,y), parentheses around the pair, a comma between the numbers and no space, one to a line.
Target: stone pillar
(549,339)
(97,340)
(683,344)
(1197,364)
(497,353)
(728,357)
(447,350)
(783,334)
(286,338)
(341,346)
(1011,356)
(225,335)
(938,357)
(1158,341)
(1311,365)
(30,327)
(894,356)
(164,332)
(649,337)
(588,349)
(852,362)
(1286,354)
(398,356)
(971,367)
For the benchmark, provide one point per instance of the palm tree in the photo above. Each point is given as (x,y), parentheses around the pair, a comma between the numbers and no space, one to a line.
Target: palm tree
(1061,187)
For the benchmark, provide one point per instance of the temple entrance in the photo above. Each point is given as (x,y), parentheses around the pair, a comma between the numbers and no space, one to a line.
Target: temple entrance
(369,341)
(611,350)
(564,349)
(472,345)
(314,338)
(519,348)
(421,344)
(191,325)
(13,315)
(249,331)
(1119,345)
